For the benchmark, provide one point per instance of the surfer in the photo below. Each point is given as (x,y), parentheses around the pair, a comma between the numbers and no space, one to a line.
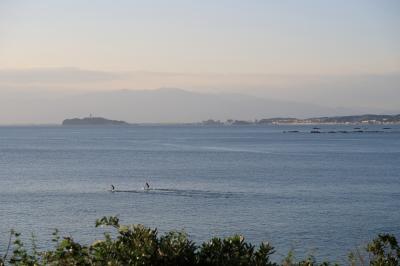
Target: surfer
(147,186)
(112,188)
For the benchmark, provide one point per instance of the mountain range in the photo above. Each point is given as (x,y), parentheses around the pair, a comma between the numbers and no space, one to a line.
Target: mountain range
(167,105)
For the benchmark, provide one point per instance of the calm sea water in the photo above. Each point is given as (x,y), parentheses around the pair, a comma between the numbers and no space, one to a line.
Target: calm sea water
(323,194)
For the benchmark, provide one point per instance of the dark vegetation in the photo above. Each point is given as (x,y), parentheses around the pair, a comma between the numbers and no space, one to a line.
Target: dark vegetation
(139,245)
(92,121)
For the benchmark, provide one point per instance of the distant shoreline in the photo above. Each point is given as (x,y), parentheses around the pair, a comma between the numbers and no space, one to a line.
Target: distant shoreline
(369,119)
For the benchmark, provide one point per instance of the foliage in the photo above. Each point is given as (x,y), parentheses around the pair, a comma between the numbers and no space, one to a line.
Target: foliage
(234,251)
(384,250)
(140,245)
(289,260)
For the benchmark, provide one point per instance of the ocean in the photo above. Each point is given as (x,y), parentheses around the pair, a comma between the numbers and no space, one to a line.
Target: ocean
(321,194)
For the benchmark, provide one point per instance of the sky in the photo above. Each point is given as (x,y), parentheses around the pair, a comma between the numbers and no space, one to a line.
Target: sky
(343,36)
(287,50)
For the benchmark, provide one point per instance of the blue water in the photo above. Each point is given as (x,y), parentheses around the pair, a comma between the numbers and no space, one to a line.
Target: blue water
(323,194)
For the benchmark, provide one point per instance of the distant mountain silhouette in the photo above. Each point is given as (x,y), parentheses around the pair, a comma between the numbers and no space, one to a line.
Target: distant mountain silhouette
(176,105)
(161,105)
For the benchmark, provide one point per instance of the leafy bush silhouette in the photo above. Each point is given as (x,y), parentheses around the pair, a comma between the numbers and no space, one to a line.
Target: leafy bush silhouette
(384,250)
(140,245)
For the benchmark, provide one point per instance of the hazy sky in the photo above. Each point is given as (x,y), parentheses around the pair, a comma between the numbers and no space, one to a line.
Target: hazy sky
(341,53)
(278,37)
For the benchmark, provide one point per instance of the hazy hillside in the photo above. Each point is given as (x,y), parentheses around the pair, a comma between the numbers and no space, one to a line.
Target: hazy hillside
(162,105)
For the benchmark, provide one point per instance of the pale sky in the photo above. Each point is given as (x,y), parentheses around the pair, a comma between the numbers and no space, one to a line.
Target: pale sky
(207,36)
(341,55)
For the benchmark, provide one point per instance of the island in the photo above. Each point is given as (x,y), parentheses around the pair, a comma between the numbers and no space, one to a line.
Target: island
(92,121)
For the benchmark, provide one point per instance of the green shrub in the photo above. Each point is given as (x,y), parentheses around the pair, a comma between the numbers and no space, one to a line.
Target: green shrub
(176,249)
(139,245)
(234,251)
(384,250)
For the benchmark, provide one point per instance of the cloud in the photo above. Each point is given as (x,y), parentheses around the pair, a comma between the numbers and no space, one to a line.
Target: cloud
(55,75)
